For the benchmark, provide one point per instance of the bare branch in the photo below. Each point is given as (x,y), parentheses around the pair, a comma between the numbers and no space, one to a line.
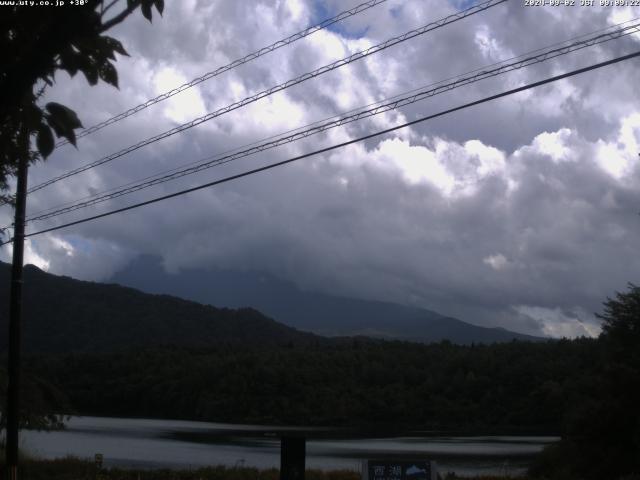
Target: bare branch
(106,9)
(119,18)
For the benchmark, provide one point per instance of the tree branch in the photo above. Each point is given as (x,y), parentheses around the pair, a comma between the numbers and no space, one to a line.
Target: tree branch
(106,9)
(120,17)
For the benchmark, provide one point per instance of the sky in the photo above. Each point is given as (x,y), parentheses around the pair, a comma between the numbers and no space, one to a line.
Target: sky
(521,213)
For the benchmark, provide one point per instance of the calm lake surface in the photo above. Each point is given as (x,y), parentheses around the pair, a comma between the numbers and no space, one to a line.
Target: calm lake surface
(170,443)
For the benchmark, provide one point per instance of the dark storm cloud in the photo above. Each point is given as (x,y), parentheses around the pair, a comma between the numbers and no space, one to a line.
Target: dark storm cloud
(521,213)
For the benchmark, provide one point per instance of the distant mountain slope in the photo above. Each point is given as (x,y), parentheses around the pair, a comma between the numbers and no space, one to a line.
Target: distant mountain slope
(319,313)
(66,315)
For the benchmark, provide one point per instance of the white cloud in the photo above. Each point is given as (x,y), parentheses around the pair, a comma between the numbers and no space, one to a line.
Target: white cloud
(557,323)
(489,46)
(31,256)
(63,245)
(497,262)
(618,158)
(183,107)
(490,159)
(416,163)
(530,200)
(623,14)
(554,144)
(276,114)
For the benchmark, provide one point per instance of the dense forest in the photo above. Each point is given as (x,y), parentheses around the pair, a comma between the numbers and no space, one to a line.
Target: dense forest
(240,366)
(587,390)
(525,387)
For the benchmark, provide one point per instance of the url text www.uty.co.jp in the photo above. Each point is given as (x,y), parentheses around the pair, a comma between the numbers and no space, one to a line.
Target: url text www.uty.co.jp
(43,3)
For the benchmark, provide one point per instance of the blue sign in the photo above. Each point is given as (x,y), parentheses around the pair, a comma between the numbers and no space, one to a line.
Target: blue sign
(399,470)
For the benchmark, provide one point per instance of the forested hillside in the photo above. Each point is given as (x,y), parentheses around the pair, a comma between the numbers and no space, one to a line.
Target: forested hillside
(62,314)
(525,387)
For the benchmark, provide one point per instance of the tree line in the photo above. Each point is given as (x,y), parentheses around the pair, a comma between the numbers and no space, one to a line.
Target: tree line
(586,390)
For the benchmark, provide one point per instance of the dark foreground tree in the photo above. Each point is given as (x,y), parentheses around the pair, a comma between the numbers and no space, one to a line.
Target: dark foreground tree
(36,43)
(602,433)
(42,401)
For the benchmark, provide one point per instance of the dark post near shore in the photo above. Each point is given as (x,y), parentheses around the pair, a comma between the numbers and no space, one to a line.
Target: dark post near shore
(15,313)
(292,457)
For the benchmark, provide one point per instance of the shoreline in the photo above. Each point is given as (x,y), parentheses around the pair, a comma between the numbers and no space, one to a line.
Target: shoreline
(74,468)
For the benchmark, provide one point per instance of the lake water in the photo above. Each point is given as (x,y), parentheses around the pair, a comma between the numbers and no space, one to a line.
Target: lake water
(181,444)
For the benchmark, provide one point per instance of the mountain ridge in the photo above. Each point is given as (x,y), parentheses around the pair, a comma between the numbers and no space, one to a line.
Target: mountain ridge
(319,313)
(62,314)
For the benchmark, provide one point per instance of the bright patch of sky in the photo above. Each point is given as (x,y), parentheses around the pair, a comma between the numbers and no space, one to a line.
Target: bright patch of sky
(180,108)
(558,323)
(31,255)
(497,262)
(619,158)
(321,12)
(464,4)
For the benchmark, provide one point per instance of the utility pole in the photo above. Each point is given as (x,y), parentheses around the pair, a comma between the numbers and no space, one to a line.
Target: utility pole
(15,313)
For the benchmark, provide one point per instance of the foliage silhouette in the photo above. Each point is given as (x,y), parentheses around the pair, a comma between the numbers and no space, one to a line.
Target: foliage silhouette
(37,43)
(601,433)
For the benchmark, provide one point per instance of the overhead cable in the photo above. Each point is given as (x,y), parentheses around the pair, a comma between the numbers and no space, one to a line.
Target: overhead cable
(542,55)
(322,70)
(225,68)
(340,145)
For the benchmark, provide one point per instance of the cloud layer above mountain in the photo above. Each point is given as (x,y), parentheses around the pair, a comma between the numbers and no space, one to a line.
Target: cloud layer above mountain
(521,213)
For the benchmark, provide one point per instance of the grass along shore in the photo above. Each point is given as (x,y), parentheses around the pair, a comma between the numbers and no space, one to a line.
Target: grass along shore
(72,468)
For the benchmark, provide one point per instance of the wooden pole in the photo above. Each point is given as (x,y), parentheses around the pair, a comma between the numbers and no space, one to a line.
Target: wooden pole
(15,312)
(292,458)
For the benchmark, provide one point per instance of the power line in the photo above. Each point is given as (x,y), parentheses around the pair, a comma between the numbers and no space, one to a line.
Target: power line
(340,145)
(581,41)
(236,63)
(382,107)
(322,70)
(327,68)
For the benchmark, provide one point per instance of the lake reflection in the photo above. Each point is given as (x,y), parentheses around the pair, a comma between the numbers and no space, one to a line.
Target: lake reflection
(170,443)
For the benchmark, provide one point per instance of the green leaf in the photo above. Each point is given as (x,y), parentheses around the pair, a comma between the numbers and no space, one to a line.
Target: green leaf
(44,140)
(69,61)
(109,74)
(87,65)
(146,9)
(63,116)
(91,73)
(115,45)
(71,136)
(60,129)
(104,47)
(160,6)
